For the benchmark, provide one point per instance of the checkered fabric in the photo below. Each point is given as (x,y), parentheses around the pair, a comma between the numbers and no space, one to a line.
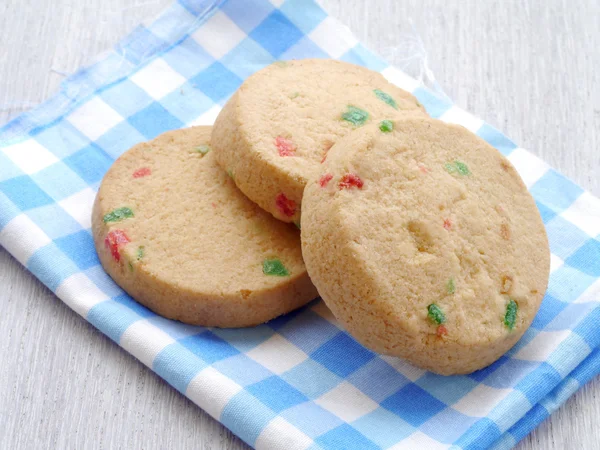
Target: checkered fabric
(299,381)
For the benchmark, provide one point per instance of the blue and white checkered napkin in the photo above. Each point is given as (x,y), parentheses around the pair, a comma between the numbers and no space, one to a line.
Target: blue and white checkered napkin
(299,381)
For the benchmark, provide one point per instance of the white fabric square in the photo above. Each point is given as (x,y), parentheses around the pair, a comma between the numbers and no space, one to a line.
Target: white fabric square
(21,237)
(530,167)
(279,433)
(461,117)
(277,354)
(80,293)
(334,38)
(419,440)
(144,341)
(158,79)
(400,79)
(555,262)
(542,346)
(591,294)
(30,156)
(481,400)
(94,118)
(408,370)
(211,391)
(585,214)
(79,206)
(346,402)
(208,118)
(219,35)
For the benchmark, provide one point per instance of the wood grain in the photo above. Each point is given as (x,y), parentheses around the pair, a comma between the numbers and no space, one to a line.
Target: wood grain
(527,67)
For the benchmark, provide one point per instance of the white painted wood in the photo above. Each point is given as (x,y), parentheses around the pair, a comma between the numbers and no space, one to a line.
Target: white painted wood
(529,67)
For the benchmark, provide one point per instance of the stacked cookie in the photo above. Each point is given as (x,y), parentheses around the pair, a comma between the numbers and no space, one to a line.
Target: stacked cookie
(419,236)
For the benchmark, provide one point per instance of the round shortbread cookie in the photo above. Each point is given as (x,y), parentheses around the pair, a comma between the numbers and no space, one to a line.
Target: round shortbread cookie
(275,131)
(424,242)
(171,228)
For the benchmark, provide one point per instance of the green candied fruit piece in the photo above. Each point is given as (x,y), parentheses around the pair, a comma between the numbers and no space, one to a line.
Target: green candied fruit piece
(387,98)
(462,168)
(297,225)
(204,149)
(451,286)
(436,314)
(140,252)
(355,116)
(294,95)
(275,268)
(449,168)
(130,266)
(457,166)
(230,173)
(386,126)
(510,317)
(116,215)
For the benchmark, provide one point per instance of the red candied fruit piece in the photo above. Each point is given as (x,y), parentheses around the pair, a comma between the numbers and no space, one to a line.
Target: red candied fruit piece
(351,180)
(114,240)
(442,330)
(423,168)
(142,172)
(286,206)
(285,146)
(325,179)
(447,224)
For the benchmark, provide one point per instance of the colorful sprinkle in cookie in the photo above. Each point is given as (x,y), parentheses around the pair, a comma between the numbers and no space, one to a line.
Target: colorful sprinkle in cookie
(424,265)
(186,243)
(275,131)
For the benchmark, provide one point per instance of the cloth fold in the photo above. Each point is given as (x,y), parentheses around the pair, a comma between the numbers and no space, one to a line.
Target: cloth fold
(298,381)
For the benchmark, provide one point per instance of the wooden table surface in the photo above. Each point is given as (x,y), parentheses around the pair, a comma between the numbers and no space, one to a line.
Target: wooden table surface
(528,67)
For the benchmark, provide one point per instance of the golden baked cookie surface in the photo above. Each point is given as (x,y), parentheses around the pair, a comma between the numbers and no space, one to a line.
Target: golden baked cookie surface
(273,134)
(425,244)
(173,230)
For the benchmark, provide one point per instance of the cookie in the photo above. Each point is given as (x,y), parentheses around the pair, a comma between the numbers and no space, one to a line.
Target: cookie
(171,228)
(425,244)
(275,131)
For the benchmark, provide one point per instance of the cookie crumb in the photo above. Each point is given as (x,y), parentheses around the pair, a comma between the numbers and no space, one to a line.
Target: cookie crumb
(507,282)
(505,231)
